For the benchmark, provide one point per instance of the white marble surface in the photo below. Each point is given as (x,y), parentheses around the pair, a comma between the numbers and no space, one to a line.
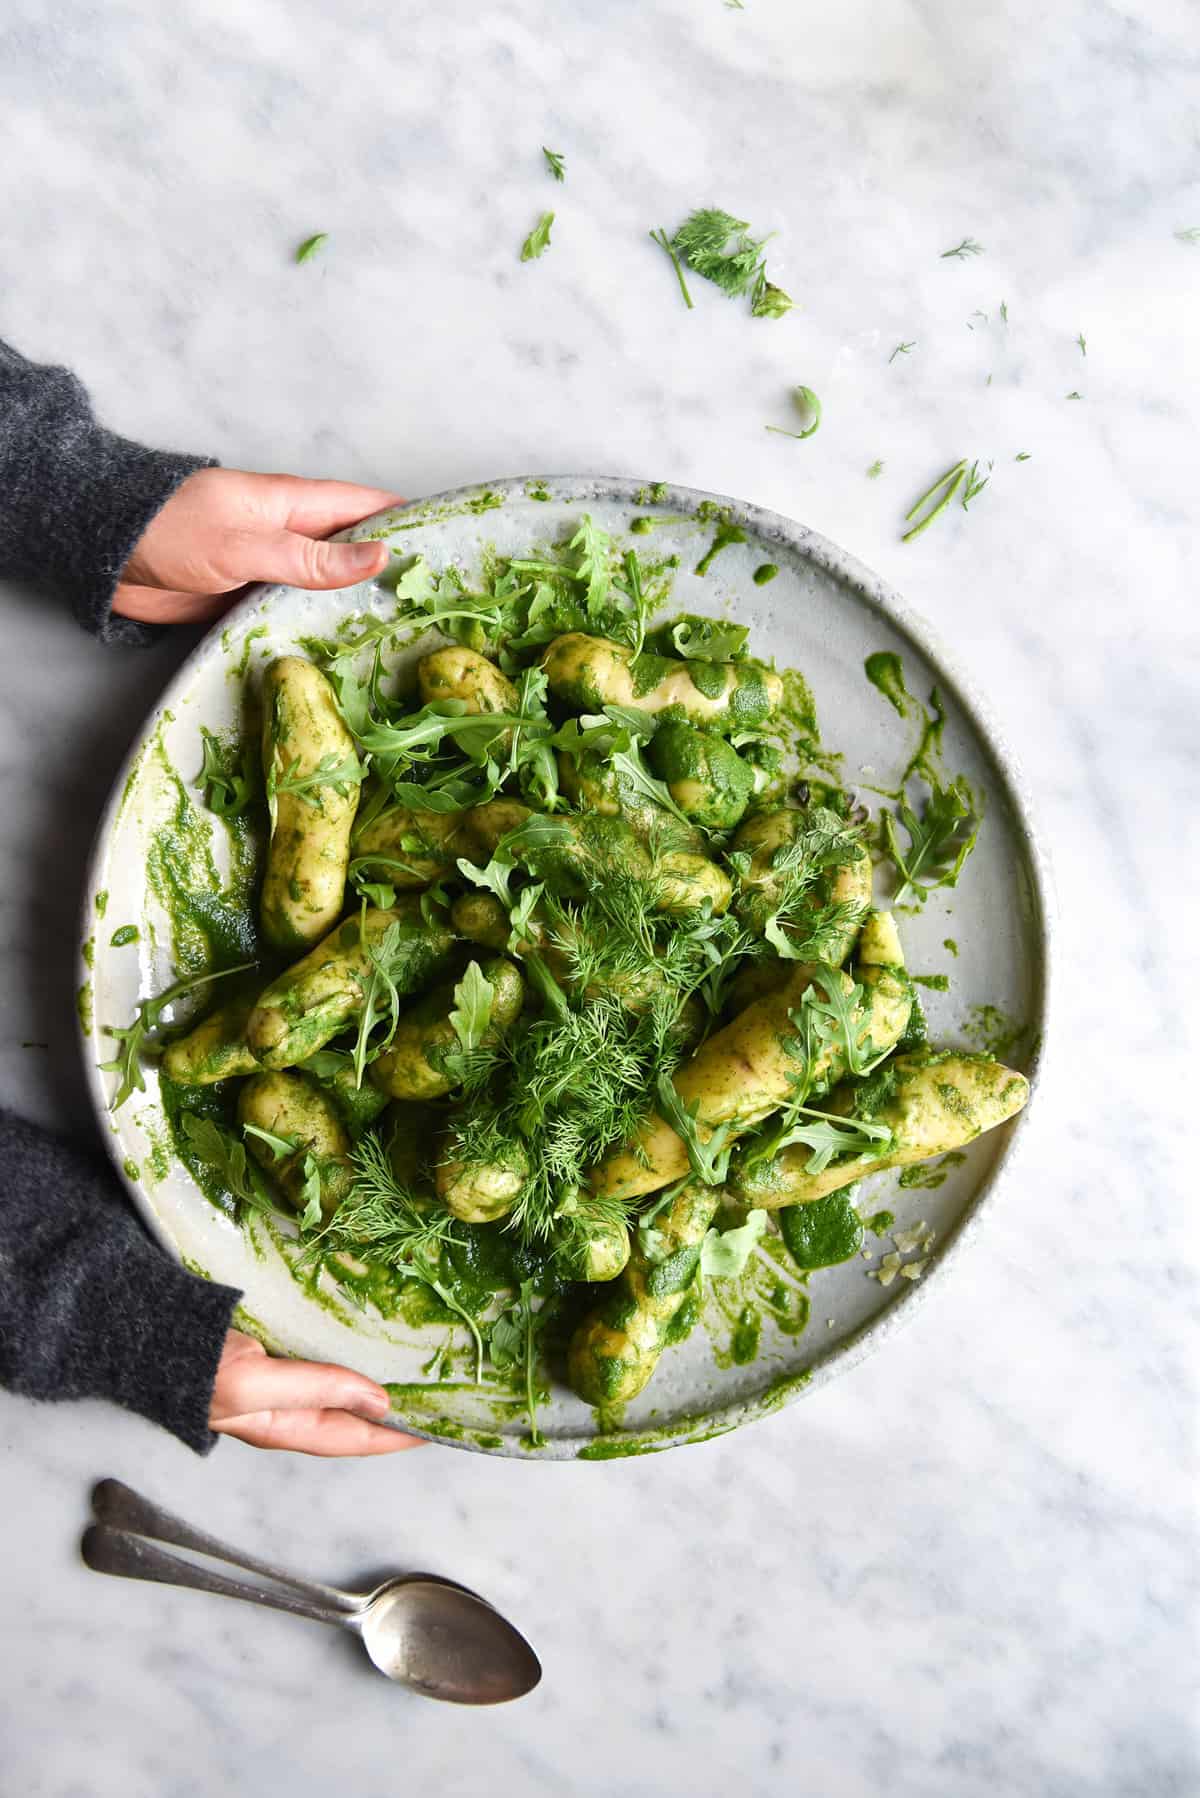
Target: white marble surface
(965,1568)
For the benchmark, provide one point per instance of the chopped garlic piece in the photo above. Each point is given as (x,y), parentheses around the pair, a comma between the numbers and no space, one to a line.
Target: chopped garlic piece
(913,1238)
(888,1268)
(912,1270)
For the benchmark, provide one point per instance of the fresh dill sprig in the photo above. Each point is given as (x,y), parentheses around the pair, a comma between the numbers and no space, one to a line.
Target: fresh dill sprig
(1081,340)
(974,485)
(703,242)
(968,247)
(555,162)
(1022,456)
(664,242)
(875,470)
(902,349)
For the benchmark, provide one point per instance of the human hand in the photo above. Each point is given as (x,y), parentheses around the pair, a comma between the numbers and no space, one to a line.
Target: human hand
(223,527)
(310,1406)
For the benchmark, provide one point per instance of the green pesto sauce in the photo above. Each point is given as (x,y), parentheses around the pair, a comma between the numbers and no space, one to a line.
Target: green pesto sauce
(746,1336)
(879,1221)
(994,1032)
(823,1234)
(89,952)
(725,535)
(925,1175)
(212,925)
(83,1006)
(128,933)
(885,671)
(653,495)
(101,902)
(938,983)
(684,1320)
(243,661)
(766,571)
(949,943)
(798,710)
(708,678)
(648,671)
(641,527)
(132,1171)
(537,490)
(916,1031)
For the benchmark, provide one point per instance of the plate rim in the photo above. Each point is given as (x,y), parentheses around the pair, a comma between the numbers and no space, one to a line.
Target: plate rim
(882,598)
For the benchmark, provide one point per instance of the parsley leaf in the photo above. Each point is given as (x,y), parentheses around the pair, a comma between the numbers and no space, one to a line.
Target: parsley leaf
(308,249)
(555,162)
(968,247)
(538,241)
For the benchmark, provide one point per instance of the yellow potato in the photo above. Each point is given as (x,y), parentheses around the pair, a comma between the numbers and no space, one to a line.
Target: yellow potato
(939,1103)
(410,848)
(461,674)
(294,1107)
(746,1071)
(215,1048)
(413,1065)
(481,1192)
(847,885)
(591,672)
(616,1348)
(324,992)
(305,880)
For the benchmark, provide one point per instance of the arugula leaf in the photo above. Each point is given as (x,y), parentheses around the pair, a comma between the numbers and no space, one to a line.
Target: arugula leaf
(939,841)
(595,547)
(226,1156)
(709,640)
(135,1037)
(472,1013)
(724,1253)
(496,876)
(309,1204)
(512,1343)
(310,246)
(227,780)
(380,995)
(280,1146)
(378,893)
(330,772)
(538,241)
(709,1161)
(520,914)
(840,1014)
(555,162)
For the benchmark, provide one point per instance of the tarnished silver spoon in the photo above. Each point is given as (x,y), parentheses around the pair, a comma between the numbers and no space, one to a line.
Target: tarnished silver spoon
(432,1635)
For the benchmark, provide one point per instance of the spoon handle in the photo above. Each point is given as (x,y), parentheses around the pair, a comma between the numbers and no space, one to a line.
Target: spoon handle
(121,1507)
(107,1550)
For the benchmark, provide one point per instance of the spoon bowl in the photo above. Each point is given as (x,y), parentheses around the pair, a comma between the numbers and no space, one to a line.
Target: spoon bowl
(446,1643)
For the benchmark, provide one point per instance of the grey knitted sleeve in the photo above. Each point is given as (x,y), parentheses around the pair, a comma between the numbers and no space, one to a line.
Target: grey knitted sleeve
(74,498)
(89,1306)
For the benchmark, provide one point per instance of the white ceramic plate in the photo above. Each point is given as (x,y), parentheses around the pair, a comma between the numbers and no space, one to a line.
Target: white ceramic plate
(823,614)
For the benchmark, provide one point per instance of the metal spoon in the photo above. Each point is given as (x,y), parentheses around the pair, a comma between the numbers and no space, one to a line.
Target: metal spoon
(430,1634)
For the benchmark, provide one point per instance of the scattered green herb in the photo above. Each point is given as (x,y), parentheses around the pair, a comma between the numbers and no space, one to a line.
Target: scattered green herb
(555,162)
(136,1037)
(227,778)
(902,349)
(938,497)
(308,249)
(806,403)
(968,247)
(875,470)
(538,241)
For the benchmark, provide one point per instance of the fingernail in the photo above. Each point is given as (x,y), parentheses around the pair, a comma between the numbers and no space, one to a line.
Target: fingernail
(376,1401)
(363,555)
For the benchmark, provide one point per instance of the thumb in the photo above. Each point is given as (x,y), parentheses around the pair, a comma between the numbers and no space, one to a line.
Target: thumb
(300,561)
